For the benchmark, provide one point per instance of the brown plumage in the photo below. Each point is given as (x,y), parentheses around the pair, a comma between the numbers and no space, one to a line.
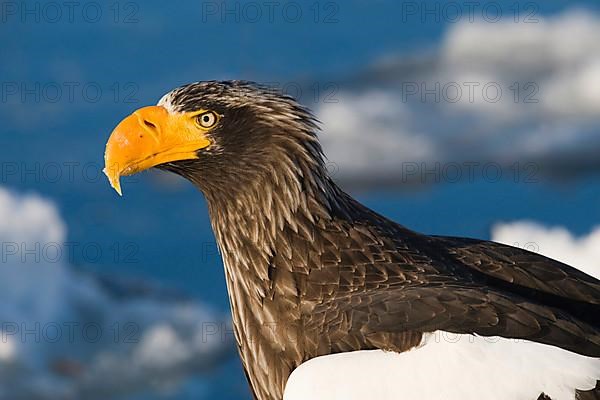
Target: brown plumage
(310,271)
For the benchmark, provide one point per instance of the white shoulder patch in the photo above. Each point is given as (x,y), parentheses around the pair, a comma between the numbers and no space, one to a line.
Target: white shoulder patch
(447,366)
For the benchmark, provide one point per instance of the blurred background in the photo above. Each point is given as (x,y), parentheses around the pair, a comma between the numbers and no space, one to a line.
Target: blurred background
(476,119)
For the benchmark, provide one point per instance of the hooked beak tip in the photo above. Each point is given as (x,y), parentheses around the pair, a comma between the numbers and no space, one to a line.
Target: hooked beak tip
(114,180)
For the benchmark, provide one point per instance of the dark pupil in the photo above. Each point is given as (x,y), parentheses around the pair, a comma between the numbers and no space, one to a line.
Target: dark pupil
(206,118)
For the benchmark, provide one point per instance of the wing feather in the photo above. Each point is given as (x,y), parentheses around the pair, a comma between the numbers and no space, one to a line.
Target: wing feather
(524,268)
(405,284)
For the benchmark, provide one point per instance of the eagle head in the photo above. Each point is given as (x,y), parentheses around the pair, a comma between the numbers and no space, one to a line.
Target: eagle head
(219,135)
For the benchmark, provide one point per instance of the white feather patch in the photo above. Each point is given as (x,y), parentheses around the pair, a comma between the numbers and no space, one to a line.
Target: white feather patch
(165,102)
(450,367)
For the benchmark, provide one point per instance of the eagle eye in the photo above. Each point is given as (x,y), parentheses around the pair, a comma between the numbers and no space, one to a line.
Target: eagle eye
(207,119)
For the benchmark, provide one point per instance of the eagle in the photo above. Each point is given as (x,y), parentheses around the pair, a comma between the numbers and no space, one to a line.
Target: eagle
(331,300)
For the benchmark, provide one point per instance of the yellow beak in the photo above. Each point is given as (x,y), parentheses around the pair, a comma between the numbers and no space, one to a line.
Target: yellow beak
(149,137)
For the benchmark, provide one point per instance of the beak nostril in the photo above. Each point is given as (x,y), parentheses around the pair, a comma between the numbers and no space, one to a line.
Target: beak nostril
(149,124)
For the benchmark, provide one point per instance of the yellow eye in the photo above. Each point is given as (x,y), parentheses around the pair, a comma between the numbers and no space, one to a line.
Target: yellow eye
(207,119)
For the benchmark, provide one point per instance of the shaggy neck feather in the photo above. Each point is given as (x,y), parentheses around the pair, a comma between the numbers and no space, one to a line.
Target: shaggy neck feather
(251,215)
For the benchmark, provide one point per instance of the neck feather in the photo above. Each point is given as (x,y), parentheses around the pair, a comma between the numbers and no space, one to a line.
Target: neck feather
(253,218)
